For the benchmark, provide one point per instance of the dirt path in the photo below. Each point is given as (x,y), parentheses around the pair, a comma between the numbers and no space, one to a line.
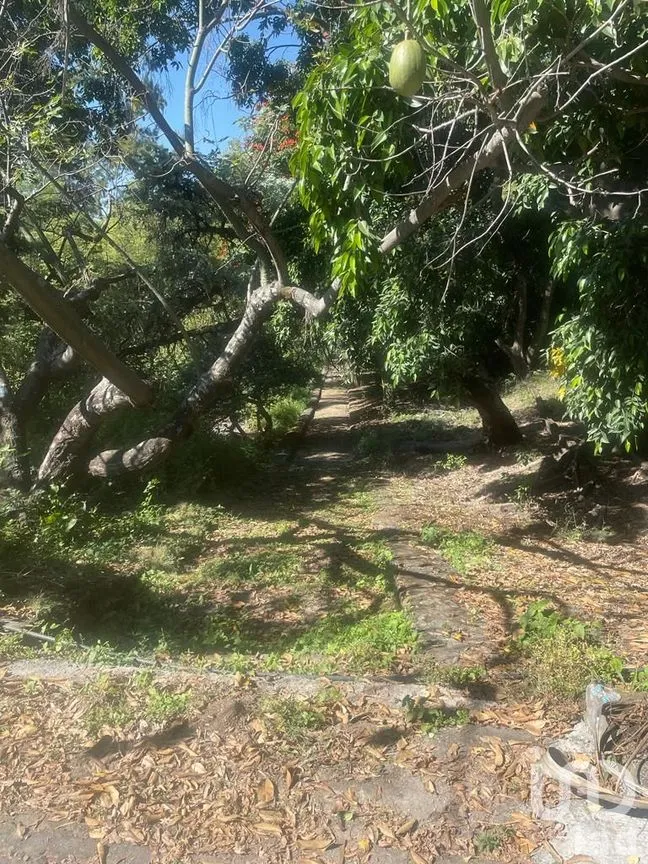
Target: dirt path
(276,767)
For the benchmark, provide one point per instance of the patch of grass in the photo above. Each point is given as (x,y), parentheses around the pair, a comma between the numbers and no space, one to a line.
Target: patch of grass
(521,395)
(372,445)
(457,676)
(161,705)
(493,838)
(368,567)
(118,703)
(466,551)
(432,719)
(13,647)
(564,655)
(294,717)
(563,665)
(109,706)
(522,492)
(266,567)
(453,461)
(360,500)
(204,582)
(365,645)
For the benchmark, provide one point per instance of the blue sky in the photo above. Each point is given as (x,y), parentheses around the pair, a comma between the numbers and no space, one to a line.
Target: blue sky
(216,113)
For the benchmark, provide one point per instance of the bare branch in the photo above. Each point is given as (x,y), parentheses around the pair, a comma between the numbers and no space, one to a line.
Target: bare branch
(102,232)
(482,19)
(226,196)
(601,69)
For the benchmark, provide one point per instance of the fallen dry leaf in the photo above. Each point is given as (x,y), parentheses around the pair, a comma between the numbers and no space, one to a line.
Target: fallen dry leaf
(406,827)
(265,791)
(289,777)
(268,828)
(418,859)
(498,752)
(315,844)
(275,816)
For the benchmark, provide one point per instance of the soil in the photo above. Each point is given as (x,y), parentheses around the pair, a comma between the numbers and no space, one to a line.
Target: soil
(375,781)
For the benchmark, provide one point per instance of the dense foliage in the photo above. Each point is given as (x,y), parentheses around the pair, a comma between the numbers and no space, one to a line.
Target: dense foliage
(521,161)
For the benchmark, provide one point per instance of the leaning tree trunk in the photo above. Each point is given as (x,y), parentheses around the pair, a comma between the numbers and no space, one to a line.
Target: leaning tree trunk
(71,443)
(63,319)
(500,429)
(14,466)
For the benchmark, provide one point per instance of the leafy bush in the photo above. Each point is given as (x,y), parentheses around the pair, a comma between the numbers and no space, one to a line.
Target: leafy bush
(599,352)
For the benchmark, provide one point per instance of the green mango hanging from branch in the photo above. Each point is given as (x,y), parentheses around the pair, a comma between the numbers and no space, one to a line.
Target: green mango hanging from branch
(407,68)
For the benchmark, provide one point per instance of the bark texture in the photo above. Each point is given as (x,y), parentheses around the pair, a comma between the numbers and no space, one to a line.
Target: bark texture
(61,316)
(14,466)
(500,428)
(72,441)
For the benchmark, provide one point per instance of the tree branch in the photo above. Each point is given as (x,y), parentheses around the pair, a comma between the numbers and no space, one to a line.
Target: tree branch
(264,244)
(482,19)
(53,358)
(60,315)
(77,431)
(484,158)
(13,213)
(151,451)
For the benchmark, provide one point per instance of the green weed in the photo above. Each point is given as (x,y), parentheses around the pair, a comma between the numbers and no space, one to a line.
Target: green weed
(492,839)
(369,644)
(118,703)
(466,551)
(432,719)
(457,676)
(13,647)
(294,717)
(286,411)
(563,655)
(453,461)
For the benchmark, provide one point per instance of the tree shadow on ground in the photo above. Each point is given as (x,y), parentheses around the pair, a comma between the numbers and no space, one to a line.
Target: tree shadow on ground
(126,605)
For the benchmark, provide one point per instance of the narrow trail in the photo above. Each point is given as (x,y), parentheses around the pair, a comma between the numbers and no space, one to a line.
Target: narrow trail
(449,632)
(369,782)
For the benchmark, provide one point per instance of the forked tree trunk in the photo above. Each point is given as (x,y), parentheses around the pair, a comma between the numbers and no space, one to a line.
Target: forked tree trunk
(14,466)
(500,428)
